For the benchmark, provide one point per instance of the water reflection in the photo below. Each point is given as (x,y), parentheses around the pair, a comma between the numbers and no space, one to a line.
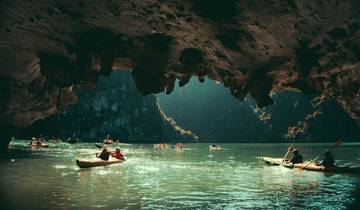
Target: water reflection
(230,178)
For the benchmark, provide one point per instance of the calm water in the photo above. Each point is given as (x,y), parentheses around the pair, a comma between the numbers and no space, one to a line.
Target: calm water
(231,178)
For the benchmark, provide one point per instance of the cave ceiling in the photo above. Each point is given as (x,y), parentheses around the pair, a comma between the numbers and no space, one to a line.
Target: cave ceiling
(251,47)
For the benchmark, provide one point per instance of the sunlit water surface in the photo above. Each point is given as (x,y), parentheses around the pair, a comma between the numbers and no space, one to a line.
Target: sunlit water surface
(194,178)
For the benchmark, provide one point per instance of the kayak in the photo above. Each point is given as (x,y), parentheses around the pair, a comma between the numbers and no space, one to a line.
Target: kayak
(214,148)
(160,146)
(39,145)
(96,163)
(178,146)
(278,161)
(335,169)
(311,166)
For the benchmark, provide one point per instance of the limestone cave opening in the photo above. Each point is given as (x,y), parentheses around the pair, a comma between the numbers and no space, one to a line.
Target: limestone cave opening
(211,112)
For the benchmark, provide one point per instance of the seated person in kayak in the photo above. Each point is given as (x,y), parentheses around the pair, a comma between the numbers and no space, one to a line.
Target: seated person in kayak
(213,147)
(162,146)
(104,154)
(117,154)
(297,158)
(328,160)
(34,142)
(107,140)
(178,146)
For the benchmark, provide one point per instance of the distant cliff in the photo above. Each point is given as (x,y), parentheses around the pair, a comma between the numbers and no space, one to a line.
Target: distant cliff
(114,107)
(214,114)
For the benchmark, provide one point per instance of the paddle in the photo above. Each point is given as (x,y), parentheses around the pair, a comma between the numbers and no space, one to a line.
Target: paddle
(301,168)
(337,143)
(287,153)
(77,154)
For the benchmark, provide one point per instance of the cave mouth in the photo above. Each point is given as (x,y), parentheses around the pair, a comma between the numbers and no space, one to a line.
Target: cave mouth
(214,114)
(203,110)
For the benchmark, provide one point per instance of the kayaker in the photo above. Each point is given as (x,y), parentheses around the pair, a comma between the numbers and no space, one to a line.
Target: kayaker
(34,142)
(212,147)
(104,154)
(162,146)
(117,154)
(107,140)
(178,146)
(328,160)
(297,158)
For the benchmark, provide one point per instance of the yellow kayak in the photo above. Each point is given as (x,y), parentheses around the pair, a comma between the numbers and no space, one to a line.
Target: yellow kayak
(334,169)
(311,166)
(96,163)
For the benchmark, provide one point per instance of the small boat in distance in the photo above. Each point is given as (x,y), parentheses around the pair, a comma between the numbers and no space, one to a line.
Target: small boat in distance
(160,146)
(40,145)
(214,147)
(37,143)
(179,146)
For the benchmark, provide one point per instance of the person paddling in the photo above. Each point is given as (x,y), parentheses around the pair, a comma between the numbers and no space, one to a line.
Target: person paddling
(328,160)
(297,158)
(104,154)
(117,154)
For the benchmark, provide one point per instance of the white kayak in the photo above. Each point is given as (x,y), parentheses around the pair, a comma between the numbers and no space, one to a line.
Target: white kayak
(278,161)
(313,166)
(39,145)
(214,148)
(96,163)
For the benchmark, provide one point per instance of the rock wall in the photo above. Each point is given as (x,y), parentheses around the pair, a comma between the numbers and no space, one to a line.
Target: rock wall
(114,107)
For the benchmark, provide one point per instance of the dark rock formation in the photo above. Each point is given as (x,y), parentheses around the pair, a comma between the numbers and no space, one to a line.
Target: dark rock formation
(114,107)
(251,46)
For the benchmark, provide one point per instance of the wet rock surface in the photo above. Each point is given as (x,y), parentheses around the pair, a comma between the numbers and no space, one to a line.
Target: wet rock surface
(252,47)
